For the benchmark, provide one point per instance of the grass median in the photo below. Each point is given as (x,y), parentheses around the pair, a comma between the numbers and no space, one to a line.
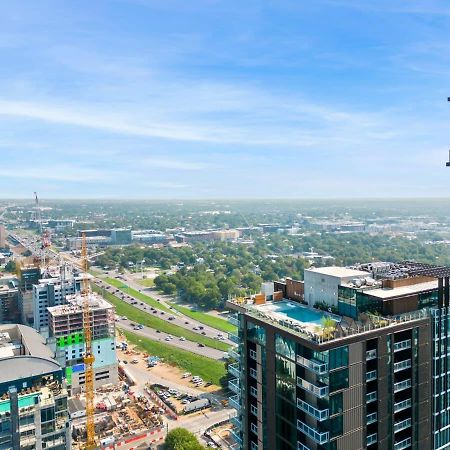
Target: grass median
(207,319)
(149,320)
(119,284)
(207,368)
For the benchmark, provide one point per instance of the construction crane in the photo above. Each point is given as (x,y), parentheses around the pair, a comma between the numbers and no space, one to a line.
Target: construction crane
(45,235)
(88,355)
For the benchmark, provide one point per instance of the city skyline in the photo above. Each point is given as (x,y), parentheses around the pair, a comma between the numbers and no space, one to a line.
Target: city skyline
(134,99)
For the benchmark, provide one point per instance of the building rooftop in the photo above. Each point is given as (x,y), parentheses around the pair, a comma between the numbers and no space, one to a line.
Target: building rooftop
(16,367)
(387,293)
(75,304)
(339,272)
(28,338)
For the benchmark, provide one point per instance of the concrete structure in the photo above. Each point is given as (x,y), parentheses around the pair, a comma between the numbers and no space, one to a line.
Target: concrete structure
(149,237)
(66,326)
(33,396)
(3,236)
(100,238)
(9,300)
(51,292)
(378,381)
(321,284)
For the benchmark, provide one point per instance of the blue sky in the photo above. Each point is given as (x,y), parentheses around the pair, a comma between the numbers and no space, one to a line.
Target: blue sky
(231,99)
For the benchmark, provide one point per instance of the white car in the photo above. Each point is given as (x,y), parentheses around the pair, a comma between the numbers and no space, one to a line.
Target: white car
(182,338)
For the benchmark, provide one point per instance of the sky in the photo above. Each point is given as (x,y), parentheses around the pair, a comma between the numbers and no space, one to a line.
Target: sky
(224,99)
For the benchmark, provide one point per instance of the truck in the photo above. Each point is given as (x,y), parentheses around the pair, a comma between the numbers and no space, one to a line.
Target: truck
(196,405)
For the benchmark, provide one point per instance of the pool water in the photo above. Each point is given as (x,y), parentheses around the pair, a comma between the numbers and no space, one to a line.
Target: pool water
(300,313)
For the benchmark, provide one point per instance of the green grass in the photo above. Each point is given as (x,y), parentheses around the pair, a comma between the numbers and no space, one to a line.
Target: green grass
(211,321)
(207,368)
(149,320)
(146,282)
(119,284)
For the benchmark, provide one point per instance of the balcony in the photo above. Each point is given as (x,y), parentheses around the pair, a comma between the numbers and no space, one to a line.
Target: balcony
(234,402)
(371,354)
(232,353)
(372,375)
(402,385)
(316,366)
(403,425)
(371,397)
(236,422)
(402,365)
(372,418)
(234,338)
(314,412)
(400,406)
(318,391)
(234,386)
(233,319)
(406,443)
(316,436)
(372,439)
(402,345)
(236,437)
(301,446)
(233,369)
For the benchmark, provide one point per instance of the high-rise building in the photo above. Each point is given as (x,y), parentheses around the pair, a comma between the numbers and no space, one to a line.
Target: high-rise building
(50,292)
(66,326)
(375,378)
(9,300)
(33,395)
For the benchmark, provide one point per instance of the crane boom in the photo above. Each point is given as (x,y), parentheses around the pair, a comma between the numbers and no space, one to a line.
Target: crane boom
(88,355)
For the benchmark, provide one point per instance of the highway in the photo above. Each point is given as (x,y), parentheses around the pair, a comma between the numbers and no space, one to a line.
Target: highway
(184,345)
(179,319)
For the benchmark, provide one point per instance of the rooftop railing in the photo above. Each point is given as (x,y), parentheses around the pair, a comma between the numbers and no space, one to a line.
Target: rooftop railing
(322,335)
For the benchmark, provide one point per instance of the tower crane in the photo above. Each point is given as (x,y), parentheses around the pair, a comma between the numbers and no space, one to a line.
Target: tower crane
(88,355)
(45,235)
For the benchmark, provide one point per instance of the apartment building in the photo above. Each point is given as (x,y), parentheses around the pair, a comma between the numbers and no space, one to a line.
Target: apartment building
(303,378)
(50,292)
(66,326)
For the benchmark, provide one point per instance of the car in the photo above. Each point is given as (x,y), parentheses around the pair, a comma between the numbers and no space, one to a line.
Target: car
(186,375)
(200,327)
(162,313)
(201,345)
(208,384)
(196,328)
(186,323)
(135,361)
(154,311)
(168,338)
(170,318)
(125,362)
(182,338)
(158,331)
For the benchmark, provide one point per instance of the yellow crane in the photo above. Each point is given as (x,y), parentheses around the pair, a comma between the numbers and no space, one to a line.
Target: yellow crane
(88,355)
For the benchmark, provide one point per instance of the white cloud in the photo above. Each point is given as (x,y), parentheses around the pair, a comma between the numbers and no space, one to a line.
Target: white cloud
(177,164)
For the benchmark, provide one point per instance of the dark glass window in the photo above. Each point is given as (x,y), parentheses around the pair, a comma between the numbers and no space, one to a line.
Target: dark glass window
(336,426)
(338,380)
(338,357)
(256,333)
(285,347)
(336,404)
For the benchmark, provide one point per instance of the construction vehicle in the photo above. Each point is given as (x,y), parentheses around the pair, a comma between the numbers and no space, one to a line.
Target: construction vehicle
(88,355)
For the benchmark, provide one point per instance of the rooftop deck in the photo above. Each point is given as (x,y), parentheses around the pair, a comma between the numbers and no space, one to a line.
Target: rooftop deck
(316,332)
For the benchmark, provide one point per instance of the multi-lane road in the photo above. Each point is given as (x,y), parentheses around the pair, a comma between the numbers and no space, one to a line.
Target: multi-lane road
(154,334)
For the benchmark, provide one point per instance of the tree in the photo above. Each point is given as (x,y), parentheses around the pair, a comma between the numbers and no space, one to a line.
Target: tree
(11,266)
(182,439)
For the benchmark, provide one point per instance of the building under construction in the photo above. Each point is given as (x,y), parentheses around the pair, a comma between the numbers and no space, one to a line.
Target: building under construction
(66,326)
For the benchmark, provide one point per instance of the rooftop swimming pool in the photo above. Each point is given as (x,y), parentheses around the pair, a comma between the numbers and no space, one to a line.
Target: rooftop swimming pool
(295,311)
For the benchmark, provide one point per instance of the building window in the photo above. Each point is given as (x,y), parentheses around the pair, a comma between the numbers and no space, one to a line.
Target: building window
(254,410)
(338,380)
(254,428)
(253,391)
(252,354)
(338,357)
(285,347)
(253,446)
(253,372)
(336,404)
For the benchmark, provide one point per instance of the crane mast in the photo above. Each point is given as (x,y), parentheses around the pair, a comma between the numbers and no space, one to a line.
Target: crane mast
(88,355)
